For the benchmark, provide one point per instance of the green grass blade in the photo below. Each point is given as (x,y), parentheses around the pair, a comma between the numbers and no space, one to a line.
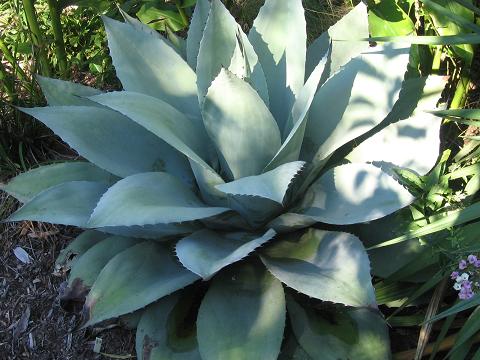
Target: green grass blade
(387,292)
(434,280)
(406,321)
(430,39)
(469,329)
(469,6)
(458,307)
(463,172)
(453,218)
(473,114)
(460,20)
(441,336)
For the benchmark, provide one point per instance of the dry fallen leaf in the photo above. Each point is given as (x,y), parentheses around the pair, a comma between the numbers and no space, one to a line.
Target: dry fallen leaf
(22,255)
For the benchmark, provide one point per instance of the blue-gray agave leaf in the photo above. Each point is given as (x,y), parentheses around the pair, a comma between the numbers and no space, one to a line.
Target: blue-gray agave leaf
(195,31)
(279,38)
(77,247)
(353,26)
(326,265)
(112,141)
(294,127)
(149,272)
(69,203)
(354,100)
(26,185)
(272,185)
(240,125)
(251,321)
(158,332)
(160,118)
(59,92)
(224,45)
(206,252)
(89,265)
(354,193)
(149,199)
(417,136)
(132,48)
(351,333)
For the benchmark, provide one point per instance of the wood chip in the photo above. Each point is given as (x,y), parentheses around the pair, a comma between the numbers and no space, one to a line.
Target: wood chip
(22,324)
(97,347)
(31,341)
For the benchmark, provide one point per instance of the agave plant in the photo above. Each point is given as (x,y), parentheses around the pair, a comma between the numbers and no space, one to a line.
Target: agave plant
(219,183)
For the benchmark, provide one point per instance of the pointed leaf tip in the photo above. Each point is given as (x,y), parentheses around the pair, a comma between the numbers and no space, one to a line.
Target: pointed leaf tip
(272,185)
(149,199)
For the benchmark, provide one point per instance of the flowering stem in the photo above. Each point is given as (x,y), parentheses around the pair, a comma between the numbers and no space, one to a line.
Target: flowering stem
(58,35)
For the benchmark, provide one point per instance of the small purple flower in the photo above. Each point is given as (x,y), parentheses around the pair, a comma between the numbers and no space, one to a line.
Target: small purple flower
(477,264)
(462,264)
(467,285)
(466,291)
(454,275)
(472,259)
(465,295)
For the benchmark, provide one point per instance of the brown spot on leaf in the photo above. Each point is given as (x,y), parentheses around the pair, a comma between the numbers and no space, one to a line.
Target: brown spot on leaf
(73,296)
(148,346)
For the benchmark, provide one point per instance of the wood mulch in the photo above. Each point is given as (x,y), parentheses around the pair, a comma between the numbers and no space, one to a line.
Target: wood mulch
(33,325)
